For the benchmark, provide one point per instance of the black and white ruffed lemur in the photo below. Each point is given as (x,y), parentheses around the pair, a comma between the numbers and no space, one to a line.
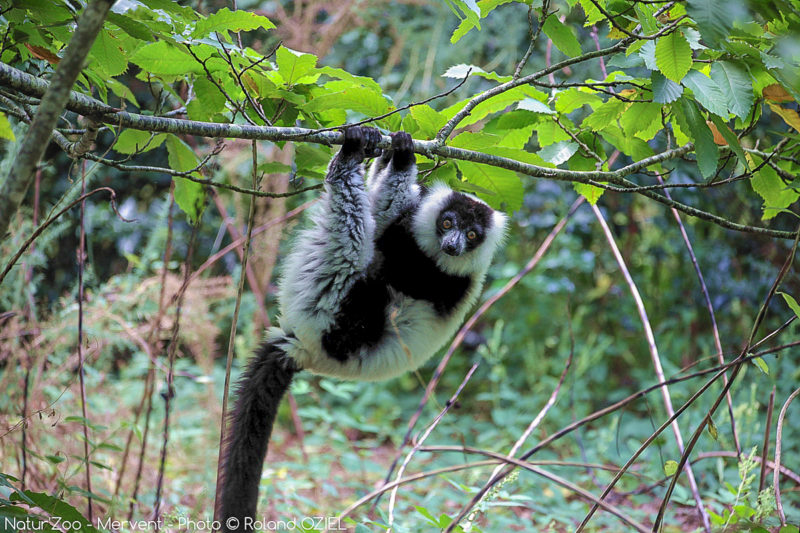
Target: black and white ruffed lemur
(378,283)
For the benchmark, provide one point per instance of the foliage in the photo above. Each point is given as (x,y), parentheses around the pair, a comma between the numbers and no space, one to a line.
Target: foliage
(702,93)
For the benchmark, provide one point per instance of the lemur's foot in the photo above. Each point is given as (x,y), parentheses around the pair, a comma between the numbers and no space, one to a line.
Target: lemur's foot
(402,150)
(360,142)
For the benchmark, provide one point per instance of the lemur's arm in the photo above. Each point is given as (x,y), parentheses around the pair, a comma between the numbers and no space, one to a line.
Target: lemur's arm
(393,181)
(346,229)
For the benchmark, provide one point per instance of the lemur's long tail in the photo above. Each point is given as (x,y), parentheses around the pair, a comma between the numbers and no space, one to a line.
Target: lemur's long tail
(266,379)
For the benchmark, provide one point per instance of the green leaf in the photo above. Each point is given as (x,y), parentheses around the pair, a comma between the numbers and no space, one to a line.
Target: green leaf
(131,26)
(734,81)
(761,365)
(341,74)
(492,105)
(209,95)
(5,128)
(227,20)
(571,99)
(673,56)
(605,115)
(704,146)
(707,92)
(592,193)
(55,507)
(163,58)
(532,104)
(559,152)
(715,18)
(593,15)
(460,71)
(562,37)
(769,186)
(133,141)
(108,56)
(665,91)
(189,195)
(294,65)
(639,116)
(428,120)
(670,467)
(366,101)
(505,184)
(172,7)
(791,302)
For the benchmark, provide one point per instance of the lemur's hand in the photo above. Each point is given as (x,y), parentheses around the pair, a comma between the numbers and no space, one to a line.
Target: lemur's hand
(402,150)
(360,142)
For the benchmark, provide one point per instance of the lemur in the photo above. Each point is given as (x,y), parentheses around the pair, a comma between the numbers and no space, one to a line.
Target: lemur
(377,284)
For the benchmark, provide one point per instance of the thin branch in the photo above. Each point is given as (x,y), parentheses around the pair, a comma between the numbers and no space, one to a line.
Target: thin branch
(656,359)
(80,103)
(778,443)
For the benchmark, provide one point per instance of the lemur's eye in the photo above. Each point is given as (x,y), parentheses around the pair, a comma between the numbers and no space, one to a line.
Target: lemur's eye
(471,235)
(447,223)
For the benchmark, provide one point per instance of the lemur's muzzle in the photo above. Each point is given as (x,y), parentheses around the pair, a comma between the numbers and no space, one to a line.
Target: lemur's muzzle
(453,243)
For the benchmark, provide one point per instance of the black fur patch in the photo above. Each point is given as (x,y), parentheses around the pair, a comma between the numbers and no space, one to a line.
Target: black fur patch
(400,264)
(468,215)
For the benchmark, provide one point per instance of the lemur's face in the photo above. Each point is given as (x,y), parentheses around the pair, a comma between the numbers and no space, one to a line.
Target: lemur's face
(462,224)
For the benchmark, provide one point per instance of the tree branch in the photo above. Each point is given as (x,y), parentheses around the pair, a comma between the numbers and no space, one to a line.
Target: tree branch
(32,86)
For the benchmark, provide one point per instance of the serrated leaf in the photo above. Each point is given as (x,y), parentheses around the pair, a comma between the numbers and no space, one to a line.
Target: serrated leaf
(492,105)
(736,86)
(769,186)
(605,115)
(532,104)
(562,36)
(665,91)
(707,92)
(428,120)
(715,18)
(648,54)
(670,467)
(592,193)
(172,7)
(163,58)
(131,26)
(593,15)
(209,96)
(505,184)
(673,56)
(704,146)
(107,55)
(133,141)
(761,365)
(559,152)
(363,100)
(189,195)
(791,302)
(5,128)
(460,71)
(640,116)
(341,74)
(293,65)
(227,20)
(571,99)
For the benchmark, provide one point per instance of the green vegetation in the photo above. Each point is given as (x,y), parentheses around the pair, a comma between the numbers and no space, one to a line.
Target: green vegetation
(647,152)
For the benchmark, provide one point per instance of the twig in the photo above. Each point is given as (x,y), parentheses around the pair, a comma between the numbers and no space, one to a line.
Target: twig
(656,359)
(778,443)
(710,307)
(762,478)
(232,337)
(38,231)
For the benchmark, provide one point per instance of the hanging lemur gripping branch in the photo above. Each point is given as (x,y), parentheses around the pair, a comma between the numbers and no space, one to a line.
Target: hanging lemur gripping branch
(379,283)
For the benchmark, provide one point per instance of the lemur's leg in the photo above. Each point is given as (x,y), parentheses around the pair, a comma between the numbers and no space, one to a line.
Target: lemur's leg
(346,222)
(393,181)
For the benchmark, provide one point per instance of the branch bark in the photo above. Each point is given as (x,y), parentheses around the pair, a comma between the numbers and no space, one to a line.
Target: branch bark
(53,101)
(29,85)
